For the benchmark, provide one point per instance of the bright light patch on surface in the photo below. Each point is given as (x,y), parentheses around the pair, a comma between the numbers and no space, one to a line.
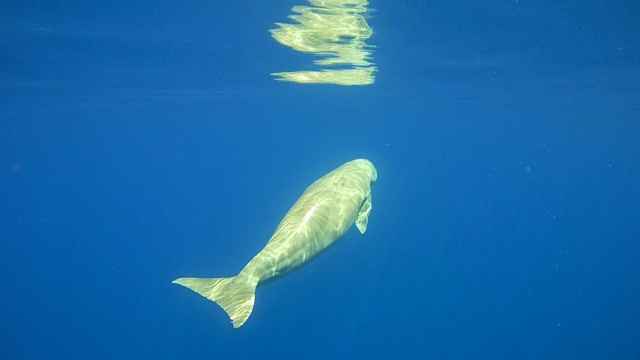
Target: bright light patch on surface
(335,30)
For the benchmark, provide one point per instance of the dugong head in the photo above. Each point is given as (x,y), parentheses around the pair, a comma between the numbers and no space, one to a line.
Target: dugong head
(365,166)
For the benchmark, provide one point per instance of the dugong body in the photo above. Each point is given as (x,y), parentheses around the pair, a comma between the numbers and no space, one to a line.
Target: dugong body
(324,212)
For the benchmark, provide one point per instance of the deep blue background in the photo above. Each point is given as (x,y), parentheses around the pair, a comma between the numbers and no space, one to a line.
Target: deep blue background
(141,141)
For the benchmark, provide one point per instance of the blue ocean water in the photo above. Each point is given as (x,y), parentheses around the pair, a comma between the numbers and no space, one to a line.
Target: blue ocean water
(141,141)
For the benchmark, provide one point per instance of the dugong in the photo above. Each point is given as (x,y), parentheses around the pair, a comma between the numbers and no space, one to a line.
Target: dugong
(324,212)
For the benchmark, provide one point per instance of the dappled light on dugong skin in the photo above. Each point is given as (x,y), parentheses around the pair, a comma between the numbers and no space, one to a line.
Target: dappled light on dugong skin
(335,30)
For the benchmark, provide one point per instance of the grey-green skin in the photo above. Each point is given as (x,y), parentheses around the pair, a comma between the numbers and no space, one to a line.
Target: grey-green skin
(321,216)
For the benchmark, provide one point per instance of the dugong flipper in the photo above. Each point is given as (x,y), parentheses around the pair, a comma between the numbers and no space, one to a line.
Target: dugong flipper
(324,212)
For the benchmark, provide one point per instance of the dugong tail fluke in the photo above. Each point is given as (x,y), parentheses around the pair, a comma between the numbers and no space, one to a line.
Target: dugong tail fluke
(235,295)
